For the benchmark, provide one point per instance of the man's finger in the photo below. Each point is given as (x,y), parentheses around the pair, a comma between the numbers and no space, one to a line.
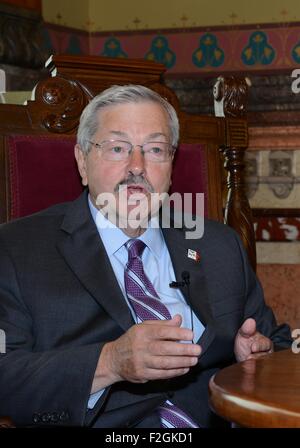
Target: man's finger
(263,345)
(156,374)
(248,328)
(174,348)
(172,333)
(257,355)
(171,362)
(175,321)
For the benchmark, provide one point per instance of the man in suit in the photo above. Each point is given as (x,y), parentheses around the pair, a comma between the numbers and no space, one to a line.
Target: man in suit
(81,349)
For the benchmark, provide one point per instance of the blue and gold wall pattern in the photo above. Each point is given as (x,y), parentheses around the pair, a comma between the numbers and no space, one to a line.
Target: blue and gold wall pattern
(160,52)
(258,50)
(208,53)
(113,49)
(296,53)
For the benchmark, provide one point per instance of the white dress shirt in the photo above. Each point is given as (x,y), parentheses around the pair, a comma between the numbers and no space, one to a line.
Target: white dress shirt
(158,267)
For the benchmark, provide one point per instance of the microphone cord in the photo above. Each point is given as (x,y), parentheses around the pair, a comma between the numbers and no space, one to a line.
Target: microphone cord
(185,275)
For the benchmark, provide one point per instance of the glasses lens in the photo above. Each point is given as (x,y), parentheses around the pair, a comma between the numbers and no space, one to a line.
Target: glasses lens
(115,150)
(118,150)
(157,151)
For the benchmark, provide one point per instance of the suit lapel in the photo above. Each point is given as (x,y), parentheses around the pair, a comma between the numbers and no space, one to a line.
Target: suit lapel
(83,251)
(199,295)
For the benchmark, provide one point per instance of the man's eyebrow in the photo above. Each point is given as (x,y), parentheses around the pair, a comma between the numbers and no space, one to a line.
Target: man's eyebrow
(119,133)
(154,135)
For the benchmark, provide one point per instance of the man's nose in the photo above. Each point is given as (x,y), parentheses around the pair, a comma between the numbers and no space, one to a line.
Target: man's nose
(136,161)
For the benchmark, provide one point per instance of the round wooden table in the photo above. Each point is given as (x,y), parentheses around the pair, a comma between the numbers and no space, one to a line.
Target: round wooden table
(262,393)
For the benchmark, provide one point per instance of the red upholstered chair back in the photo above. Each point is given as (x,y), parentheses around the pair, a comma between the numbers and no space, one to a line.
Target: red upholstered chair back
(190,173)
(43,172)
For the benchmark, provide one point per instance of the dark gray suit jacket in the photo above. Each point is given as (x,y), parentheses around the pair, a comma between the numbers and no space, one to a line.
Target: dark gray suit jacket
(60,303)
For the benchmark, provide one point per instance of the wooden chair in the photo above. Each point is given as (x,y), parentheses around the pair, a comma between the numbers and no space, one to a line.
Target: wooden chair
(37,166)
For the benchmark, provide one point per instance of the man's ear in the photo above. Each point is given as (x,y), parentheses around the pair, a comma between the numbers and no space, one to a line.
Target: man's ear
(81,164)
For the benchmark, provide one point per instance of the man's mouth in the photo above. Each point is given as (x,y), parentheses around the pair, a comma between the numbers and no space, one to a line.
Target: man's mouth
(134,189)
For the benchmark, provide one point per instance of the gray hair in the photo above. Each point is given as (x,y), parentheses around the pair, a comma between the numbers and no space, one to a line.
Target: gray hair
(115,95)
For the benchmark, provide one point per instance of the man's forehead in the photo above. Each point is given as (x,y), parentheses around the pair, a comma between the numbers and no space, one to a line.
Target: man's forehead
(129,104)
(118,126)
(121,134)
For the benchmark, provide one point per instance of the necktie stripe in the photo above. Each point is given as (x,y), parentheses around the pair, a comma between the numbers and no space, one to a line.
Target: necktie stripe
(140,293)
(146,304)
(142,314)
(178,414)
(147,300)
(174,419)
(138,282)
(158,315)
(140,274)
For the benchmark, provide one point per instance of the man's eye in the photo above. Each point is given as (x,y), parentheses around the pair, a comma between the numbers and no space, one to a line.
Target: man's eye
(156,150)
(117,149)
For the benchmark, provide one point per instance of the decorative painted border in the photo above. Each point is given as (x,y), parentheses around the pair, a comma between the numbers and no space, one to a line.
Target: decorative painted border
(271,229)
(190,51)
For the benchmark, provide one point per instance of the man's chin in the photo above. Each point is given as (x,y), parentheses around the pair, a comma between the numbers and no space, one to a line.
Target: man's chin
(133,219)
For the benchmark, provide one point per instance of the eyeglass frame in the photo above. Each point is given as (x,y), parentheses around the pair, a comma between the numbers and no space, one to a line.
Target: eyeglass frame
(170,152)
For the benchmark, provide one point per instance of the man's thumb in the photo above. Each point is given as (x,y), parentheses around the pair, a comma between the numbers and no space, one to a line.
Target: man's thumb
(248,328)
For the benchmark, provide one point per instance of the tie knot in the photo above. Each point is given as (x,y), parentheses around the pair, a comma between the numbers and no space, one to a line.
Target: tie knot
(135,248)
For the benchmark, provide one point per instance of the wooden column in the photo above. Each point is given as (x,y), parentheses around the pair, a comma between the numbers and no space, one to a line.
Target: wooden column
(231,96)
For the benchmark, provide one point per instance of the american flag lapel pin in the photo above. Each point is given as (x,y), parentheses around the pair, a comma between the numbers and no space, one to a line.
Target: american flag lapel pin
(194,255)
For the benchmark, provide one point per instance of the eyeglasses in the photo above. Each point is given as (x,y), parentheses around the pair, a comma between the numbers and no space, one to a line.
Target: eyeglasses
(118,150)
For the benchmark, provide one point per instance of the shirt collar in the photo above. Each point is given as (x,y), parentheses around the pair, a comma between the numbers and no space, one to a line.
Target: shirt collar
(114,238)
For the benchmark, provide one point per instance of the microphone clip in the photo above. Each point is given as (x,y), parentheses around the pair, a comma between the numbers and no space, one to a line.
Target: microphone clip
(176,284)
(186,280)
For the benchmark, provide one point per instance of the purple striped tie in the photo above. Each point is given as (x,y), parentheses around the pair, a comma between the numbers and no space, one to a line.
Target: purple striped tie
(147,306)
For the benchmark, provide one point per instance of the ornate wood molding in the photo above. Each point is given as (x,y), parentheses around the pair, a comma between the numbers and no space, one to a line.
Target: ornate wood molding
(60,102)
(238,208)
(231,97)
(271,99)
(274,137)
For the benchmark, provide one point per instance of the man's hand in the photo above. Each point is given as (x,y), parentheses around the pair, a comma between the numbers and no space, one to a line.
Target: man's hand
(249,343)
(151,350)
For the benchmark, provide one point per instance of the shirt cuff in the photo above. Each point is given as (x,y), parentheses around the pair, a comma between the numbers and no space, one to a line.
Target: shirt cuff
(94,398)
